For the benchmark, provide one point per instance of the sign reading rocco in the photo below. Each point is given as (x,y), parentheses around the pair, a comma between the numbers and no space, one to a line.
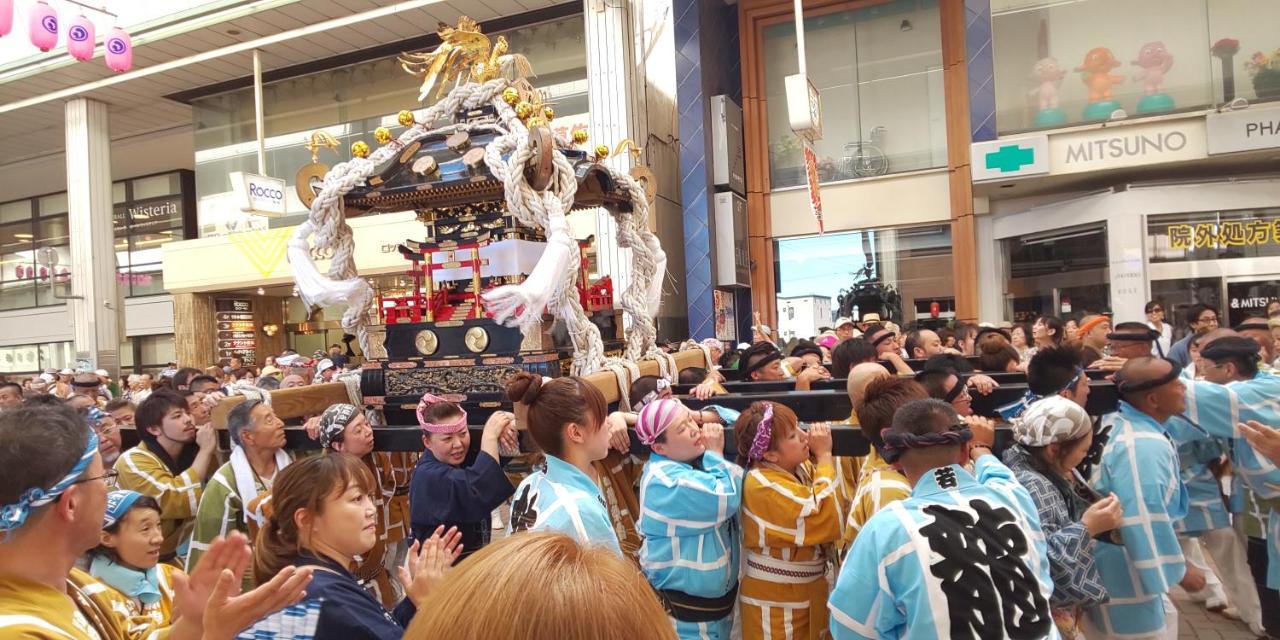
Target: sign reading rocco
(262,195)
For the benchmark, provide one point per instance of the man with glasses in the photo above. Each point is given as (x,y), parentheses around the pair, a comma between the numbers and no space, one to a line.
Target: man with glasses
(1155,320)
(109,439)
(1200,317)
(53,494)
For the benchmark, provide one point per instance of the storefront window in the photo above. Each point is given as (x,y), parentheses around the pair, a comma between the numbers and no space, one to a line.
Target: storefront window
(35,358)
(1060,273)
(901,274)
(879,70)
(349,103)
(1060,63)
(148,214)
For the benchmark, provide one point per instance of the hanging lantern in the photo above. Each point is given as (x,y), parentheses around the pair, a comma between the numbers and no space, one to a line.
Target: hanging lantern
(43,26)
(6,17)
(80,38)
(119,50)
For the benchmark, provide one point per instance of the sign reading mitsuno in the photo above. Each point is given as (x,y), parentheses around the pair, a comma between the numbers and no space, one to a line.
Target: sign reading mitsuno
(237,334)
(1246,130)
(1221,235)
(1009,158)
(1127,146)
(262,195)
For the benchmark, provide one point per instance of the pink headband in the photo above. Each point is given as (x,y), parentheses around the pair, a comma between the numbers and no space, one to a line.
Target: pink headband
(431,427)
(655,418)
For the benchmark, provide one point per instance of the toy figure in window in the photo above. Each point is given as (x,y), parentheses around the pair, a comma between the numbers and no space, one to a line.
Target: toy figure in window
(1096,75)
(1155,61)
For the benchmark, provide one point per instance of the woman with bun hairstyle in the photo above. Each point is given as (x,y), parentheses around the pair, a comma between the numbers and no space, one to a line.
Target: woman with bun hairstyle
(324,517)
(566,417)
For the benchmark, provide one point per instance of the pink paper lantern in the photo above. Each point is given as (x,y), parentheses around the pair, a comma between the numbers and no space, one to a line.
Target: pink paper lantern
(119,50)
(6,17)
(43,26)
(80,38)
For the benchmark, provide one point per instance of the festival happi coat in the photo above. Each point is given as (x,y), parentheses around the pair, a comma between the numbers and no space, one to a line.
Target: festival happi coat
(564,499)
(689,520)
(1216,410)
(961,558)
(179,495)
(1140,466)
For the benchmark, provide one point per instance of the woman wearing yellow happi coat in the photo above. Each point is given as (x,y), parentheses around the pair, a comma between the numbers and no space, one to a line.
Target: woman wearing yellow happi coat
(790,518)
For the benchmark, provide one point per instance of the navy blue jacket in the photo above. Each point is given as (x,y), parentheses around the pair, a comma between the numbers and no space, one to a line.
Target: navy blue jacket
(349,611)
(463,497)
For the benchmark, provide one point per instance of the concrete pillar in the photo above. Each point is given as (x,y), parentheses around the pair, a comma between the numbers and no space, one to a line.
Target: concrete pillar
(609,94)
(96,313)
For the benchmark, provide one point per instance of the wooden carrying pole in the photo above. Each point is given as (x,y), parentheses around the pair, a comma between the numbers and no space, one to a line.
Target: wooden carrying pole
(314,399)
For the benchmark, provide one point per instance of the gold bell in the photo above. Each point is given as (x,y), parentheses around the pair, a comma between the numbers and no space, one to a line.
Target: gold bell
(382,135)
(360,149)
(523,110)
(548,113)
(510,95)
(405,118)
(579,136)
(535,121)
(602,151)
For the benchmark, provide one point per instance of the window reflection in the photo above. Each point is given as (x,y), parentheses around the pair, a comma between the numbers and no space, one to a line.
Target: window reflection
(901,274)
(882,97)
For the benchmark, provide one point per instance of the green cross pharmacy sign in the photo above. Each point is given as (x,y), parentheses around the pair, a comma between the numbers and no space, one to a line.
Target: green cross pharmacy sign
(1009,158)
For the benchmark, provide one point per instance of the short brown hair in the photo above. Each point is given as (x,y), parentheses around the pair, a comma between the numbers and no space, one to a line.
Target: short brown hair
(744,429)
(881,400)
(305,484)
(584,593)
(995,353)
(556,403)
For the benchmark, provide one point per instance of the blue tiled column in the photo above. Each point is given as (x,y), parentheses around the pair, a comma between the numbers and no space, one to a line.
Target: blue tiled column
(707,64)
(978,56)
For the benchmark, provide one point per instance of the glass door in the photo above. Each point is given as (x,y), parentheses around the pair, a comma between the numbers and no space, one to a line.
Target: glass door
(1248,296)
(1179,294)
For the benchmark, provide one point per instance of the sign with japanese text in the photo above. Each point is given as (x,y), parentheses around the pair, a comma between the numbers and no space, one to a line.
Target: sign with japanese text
(237,333)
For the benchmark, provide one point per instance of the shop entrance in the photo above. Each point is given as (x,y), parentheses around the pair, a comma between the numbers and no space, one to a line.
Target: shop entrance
(1237,297)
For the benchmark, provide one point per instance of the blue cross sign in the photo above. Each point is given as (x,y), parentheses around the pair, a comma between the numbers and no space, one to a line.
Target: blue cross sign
(1010,158)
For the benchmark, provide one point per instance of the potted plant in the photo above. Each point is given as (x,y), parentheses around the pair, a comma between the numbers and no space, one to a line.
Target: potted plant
(1265,71)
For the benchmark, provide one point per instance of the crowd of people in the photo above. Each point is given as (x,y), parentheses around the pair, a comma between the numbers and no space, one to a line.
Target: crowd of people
(554,526)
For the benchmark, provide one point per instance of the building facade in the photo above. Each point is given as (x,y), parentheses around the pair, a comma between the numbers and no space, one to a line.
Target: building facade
(986,160)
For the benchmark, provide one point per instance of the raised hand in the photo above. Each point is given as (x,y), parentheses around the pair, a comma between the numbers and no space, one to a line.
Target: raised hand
(428,562)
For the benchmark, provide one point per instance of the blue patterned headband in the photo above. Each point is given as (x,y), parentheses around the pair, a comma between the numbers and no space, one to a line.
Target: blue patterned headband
(13,516)
(1017,408)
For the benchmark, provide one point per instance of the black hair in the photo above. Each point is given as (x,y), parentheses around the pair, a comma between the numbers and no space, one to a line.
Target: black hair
(202,379)
(848,353)
(952,362)
(912,340)
(184,375)
(1151,304)
(1238,350)
(15,385)
(1057,325)
(142,502)
(934,381)
(43,400)
(692,375)
(151,413)
(1051,368)
(805,347)
(642,386)
(1193,312)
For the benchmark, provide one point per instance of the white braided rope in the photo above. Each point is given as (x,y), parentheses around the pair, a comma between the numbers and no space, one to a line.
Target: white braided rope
(625,372)
(326,233)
